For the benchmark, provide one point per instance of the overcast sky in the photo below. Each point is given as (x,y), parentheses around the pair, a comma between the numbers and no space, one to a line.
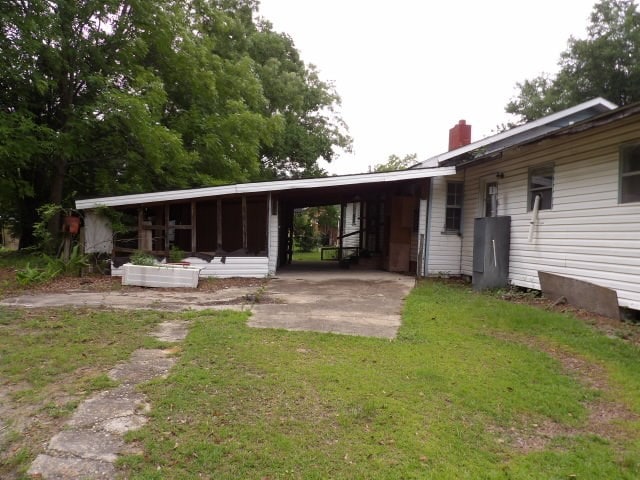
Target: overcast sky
(408,70)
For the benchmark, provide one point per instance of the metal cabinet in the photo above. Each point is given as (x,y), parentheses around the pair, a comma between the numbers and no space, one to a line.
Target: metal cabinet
(491,240)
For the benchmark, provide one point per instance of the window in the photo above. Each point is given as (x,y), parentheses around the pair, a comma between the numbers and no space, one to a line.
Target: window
(454,207)
(491,199)
(541,184)
(630,174)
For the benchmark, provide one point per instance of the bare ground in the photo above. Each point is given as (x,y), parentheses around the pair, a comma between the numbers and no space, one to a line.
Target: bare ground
(606,418)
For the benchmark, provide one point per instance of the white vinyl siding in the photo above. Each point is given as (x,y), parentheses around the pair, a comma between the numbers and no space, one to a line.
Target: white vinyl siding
(352,211)
(273,237)
(422,230)
(587,235)
(443,249)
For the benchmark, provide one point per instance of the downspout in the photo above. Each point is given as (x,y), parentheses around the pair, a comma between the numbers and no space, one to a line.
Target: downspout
(425,271)
(534,217)
(464,187)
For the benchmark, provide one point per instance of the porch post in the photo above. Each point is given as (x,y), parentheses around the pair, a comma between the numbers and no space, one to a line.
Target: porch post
(166,229)
(341,229)
(244,222)
(140,227)
(219,224)
(193,226)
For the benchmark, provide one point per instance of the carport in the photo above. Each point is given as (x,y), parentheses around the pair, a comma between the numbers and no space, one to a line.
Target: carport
(246,229)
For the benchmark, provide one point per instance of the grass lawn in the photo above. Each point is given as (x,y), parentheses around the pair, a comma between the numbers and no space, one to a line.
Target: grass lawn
(299,256)
(474,387)
(49,361)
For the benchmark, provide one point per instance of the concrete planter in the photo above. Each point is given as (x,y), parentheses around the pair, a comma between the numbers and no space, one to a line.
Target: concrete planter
(168,276)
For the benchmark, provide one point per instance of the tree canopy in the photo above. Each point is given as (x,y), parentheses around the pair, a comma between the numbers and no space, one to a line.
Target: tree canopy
(122,96)
(604,64)
(394,162)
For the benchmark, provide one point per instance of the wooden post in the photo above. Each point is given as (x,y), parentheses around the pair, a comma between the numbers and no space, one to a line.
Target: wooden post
(166,230)
(193,227)
(140,227)
(363,213)
(219,224)
(341,229)
(244,222)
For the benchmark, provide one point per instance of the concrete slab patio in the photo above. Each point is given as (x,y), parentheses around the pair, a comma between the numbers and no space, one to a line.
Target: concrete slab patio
(353,302)
(301,297)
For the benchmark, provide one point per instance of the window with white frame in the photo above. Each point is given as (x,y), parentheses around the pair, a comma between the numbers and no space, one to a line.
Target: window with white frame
(453,215)
(630,173)
(541,184)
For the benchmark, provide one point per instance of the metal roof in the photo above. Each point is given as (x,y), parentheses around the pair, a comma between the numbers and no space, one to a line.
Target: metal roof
(522,134)
(258,187)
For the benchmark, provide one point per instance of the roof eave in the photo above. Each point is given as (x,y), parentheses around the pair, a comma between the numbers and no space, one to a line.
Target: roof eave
(263,187)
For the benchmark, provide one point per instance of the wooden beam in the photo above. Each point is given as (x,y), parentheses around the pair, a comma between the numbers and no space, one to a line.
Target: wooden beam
(244,222)
(193,226)
(219,224)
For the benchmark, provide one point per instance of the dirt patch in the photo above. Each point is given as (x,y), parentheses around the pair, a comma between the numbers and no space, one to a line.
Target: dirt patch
(106,283)
(605,418)
(27,426)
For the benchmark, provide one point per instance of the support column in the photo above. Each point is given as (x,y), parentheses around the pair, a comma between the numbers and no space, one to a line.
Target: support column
(244,222)
(193,227)
(140,227)
(219,224)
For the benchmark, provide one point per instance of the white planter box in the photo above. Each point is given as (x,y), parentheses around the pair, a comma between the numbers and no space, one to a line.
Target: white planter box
(168,276)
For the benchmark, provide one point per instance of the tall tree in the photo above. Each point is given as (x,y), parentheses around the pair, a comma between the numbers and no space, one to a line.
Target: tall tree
(606,63)
(311,127)
(123,96)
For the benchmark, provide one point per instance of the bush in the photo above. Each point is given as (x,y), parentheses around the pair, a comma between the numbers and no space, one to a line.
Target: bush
(143,258)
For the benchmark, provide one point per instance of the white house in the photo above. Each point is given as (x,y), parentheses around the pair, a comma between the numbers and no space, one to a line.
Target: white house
(583,164)
(563,192)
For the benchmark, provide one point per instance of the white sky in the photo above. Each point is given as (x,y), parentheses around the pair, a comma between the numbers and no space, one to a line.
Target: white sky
(408,70)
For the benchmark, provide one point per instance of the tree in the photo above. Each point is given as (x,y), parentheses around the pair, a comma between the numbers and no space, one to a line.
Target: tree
(312,129)
(394,162)
(106,97)
(605,64)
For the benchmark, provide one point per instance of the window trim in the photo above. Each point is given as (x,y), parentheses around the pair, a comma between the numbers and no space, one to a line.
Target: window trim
(533,168)
(453,231)
(622,175)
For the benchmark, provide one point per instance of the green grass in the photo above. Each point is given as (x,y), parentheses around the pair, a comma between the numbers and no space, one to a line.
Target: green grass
(299,256)
(245,403)
(50,360)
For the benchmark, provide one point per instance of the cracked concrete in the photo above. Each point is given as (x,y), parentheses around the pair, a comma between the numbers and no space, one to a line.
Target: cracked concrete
(367,303)
(233,298)
(93,437)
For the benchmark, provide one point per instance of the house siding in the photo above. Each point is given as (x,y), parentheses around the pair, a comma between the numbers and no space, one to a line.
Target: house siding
(443,248)
(273,238)
(349,226)
(587,234)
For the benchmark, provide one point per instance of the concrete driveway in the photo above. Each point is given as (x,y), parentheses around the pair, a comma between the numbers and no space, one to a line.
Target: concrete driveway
(367,303)
(353,302)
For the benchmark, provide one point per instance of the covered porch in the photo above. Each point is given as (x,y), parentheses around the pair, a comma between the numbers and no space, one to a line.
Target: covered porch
(246,230)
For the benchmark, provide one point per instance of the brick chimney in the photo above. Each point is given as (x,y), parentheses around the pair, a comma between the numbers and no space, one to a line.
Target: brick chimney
(459,135)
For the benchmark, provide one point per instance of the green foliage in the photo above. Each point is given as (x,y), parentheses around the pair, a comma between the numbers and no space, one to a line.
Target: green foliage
(605,64)
(304,232)
(53,267)
(394,162)
(176,254)
(119,97)
(143,258)
(32,275)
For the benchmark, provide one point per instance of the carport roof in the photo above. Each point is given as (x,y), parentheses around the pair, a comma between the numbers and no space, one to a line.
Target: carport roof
(259,187)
